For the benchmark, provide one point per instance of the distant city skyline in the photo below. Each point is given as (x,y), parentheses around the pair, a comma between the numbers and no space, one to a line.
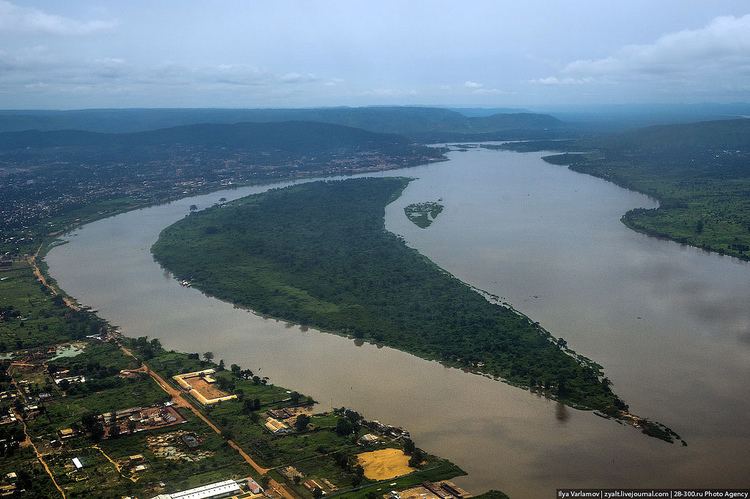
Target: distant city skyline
(88,54)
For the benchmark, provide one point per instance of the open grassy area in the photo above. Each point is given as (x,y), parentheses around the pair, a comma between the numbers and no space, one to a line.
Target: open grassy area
(31,317)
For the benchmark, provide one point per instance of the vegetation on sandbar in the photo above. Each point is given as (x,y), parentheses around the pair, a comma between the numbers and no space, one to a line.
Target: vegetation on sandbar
(423,214)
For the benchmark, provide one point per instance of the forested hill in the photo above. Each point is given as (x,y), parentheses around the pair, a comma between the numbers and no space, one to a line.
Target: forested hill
(420,123)
(680,140)
(293,136)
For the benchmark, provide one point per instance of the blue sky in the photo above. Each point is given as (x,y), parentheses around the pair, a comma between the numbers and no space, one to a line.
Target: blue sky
(81,54)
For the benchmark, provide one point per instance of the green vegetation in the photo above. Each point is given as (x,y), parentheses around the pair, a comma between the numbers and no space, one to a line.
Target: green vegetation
(31,317)
(423,214)
(699,172)
(324,447)
(318,254)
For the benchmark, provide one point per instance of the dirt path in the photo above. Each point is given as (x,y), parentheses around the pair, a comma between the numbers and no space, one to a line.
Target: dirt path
(43,280)
(40,458)
(177,398)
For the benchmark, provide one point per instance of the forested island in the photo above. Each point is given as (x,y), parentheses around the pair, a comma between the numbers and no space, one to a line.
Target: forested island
(318,254)
(423,214)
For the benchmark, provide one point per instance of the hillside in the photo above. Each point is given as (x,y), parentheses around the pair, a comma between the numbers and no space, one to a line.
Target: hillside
(293,136)
(64,172)
(422,123)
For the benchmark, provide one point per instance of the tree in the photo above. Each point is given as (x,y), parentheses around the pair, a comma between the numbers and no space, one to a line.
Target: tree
(302,421)
(235,370)
(344,427)
(208,356)
(193,207)
(409,446)
(295,396)
(131,426)
(359,474)
(416,458)
(221,365)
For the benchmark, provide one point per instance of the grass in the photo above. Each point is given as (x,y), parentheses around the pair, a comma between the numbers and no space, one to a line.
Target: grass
(41,320)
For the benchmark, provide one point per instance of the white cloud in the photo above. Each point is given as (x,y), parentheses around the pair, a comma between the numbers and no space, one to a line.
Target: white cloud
(472,84)
(298,78)
(29,19)
(719,49)
(554,80)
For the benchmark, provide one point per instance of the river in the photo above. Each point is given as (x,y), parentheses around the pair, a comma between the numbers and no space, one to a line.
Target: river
(669,323)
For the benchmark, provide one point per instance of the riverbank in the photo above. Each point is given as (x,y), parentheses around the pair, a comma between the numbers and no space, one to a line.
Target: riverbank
(231,422)
(334,268)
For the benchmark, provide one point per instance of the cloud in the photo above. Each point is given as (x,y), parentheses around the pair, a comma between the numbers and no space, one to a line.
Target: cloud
(472,84)
(489,91)
(388,92)
(298,78)
(38,68)
(554,80)
(31,20)
(722,47)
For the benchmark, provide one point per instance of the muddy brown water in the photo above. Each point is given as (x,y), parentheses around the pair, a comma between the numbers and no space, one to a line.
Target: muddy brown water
(670,324)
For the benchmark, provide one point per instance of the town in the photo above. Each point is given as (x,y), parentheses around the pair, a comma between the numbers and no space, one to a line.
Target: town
(89,410)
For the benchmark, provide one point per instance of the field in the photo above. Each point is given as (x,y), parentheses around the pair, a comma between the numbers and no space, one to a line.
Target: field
(385,464)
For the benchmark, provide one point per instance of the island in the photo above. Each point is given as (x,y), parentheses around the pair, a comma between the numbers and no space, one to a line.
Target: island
(423,214)
(318,254)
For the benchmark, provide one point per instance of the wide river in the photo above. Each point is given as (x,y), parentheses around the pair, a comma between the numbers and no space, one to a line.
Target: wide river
(670,324)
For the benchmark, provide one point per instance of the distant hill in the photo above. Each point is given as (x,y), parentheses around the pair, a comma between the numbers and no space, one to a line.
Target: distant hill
(296,137)
(681,139)
(419,123)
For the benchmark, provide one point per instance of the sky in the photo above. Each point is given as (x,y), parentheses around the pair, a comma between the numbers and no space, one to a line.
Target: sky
(283,53)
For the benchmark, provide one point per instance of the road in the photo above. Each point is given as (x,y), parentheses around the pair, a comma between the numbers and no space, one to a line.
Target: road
(177,398)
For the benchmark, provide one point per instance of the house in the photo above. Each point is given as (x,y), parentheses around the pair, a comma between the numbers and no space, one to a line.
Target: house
(369,438)
(77,463)
(66,433)
(190,441)
(227,488)
(277,427)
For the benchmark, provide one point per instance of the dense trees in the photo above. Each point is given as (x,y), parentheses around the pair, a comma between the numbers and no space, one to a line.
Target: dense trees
(318,254)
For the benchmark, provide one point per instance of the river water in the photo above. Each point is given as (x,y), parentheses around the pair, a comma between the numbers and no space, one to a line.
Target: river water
(670,324)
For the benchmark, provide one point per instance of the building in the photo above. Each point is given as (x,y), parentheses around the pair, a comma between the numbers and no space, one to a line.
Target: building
(369,438)
(277,427)
(66,433)
(190,441)
(227,488)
